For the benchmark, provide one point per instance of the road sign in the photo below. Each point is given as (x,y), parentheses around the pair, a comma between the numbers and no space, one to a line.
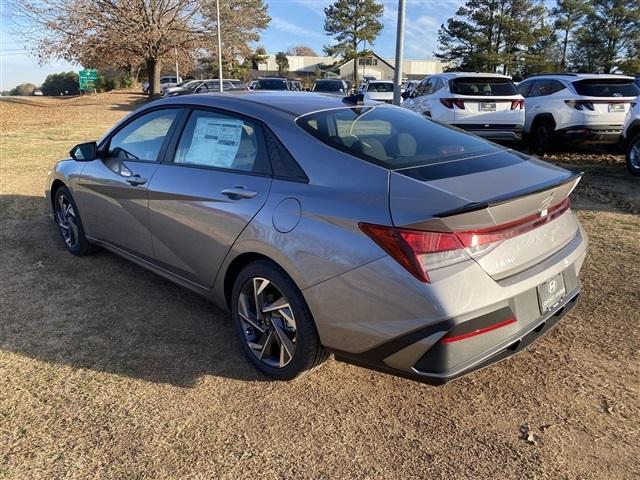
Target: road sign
(87,79)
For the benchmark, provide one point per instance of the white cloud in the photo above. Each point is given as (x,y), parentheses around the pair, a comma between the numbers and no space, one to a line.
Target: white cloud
(292,28)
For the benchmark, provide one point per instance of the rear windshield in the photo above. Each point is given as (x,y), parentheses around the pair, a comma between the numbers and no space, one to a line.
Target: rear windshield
(380,87)
(489,87)
(613,87)
(392,137)
(269,84)
(328,87)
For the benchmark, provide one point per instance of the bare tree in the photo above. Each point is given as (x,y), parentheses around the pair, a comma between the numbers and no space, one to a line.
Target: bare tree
(111,32)
(302,50)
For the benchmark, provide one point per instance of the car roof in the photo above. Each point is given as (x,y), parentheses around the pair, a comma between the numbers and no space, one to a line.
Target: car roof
(582,76)
(263,102)
(380,81)
(450,75)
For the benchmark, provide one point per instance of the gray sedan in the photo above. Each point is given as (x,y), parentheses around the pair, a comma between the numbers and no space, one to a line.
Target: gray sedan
(326,226)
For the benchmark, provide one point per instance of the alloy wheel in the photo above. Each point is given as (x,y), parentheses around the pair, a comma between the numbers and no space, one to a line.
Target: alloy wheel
(268,323)
(66,220)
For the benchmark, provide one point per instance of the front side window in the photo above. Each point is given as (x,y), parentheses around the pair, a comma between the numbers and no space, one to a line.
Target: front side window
(541,88)
(391,137)
(524,88)
(483,86)
(142,138)
(221,141)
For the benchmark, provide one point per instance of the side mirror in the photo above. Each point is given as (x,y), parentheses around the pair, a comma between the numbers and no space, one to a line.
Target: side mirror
(84,152)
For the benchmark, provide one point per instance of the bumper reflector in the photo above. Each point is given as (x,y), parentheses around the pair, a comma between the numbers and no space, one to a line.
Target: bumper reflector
(479,331)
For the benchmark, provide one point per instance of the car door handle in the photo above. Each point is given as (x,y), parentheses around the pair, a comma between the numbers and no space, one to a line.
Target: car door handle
(136,180)
(236,193)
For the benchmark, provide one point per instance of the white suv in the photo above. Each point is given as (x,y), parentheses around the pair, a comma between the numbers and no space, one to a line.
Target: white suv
(576,108)
(378,91)
(486,104)
(631,137)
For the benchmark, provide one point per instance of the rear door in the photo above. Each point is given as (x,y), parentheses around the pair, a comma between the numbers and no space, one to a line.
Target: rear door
(113,190)
(215,178)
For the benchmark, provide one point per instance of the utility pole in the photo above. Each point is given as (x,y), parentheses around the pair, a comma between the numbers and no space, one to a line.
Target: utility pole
(397,77)
(177,71)
(219,45)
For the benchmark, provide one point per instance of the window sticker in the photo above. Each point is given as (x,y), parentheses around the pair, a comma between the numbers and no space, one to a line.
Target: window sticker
(215,142)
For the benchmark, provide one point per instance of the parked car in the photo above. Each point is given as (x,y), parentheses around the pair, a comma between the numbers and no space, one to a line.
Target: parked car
(38,93)
(252,84)
(271,84)
(378,91)
(631,137)
(295,85)
(330,85)
(576,108)
(187,84)
(166,81)
(486,104)
(203,86)
(375,233)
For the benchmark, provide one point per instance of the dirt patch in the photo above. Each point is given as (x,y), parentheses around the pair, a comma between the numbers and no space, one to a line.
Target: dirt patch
(109,371)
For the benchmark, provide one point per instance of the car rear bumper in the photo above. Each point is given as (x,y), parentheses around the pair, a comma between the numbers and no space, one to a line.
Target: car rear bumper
(373,317)
(590,134)
(422,371)
(507,132)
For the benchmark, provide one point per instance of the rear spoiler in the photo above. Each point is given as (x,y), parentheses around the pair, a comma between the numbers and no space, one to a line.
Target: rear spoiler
(572,180)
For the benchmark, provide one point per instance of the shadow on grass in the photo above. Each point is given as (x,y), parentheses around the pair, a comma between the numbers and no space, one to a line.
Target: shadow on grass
(104,313)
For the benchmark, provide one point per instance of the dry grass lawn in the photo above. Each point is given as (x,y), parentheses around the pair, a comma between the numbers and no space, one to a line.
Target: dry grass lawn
(107,371)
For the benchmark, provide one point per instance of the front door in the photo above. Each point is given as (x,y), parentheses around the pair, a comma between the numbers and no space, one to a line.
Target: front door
(199,203)
(114,189)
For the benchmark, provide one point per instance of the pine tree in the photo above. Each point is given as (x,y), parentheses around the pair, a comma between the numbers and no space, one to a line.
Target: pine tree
(352,22)
(568,14)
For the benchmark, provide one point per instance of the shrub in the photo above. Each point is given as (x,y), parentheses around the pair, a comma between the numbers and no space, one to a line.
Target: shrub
(23,89)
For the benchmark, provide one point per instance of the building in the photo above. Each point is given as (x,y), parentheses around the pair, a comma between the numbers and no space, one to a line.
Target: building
(373,66)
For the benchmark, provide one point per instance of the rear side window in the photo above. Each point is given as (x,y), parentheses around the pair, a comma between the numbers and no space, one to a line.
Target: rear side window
(221,141)
(542,88)
(483,86)
(606,87)
(392,137)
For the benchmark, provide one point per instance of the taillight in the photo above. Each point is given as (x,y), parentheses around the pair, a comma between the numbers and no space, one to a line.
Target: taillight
(450,102)
(517,104)
(419,251)
(580,104)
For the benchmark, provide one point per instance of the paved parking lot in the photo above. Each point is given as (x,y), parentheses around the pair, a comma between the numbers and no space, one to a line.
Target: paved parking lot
(107,371)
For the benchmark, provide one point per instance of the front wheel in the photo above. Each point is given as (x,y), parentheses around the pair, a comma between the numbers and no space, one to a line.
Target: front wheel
(274,324)
(633,155)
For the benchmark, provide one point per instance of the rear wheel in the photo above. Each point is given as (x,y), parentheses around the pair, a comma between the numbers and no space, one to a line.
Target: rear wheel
(274,324)
(542,136)
(67,219)
(633,155)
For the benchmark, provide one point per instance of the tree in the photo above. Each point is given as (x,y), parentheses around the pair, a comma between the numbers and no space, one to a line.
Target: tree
(352,22)
(487,35)
(608,36)
(116,31)
(568,14)
(65,83)
(241,22)
(283,63)
(302,50)
(24,89)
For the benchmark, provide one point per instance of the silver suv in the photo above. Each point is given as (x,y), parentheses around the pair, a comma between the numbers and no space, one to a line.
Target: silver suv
(576,108)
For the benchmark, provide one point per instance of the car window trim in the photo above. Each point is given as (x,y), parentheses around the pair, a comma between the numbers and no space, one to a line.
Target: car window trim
(105,144)
(169,154)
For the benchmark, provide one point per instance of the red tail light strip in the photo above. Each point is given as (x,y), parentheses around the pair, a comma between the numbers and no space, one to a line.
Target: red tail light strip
(405,246)
(480,331)
(472,238)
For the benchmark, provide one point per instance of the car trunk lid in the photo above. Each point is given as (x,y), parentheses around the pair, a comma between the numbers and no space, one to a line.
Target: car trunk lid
(510,211)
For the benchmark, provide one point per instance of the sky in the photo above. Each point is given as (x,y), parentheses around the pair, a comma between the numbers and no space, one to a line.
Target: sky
(293,22)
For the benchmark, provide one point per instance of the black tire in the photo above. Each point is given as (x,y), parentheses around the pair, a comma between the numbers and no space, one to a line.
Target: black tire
(72,234)
(309,352)
(633,155)
(542,136)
